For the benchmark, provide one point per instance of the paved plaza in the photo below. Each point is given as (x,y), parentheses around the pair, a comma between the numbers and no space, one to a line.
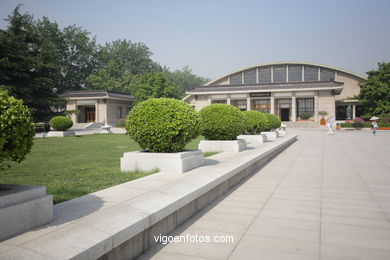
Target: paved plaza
(325,197)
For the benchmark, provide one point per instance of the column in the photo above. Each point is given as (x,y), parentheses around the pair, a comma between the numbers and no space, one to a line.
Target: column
(272,105)
(248,103)
(97,119)
(228,101)
(316,107)
(293,108)
(353,111)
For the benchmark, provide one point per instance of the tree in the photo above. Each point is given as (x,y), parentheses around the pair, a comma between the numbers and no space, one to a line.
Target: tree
(153,85)
(374,94)
(185,79)
(118,62)
(75,54)
(27,64)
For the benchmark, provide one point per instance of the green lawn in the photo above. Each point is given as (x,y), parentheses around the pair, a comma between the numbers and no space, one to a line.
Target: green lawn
(74,166)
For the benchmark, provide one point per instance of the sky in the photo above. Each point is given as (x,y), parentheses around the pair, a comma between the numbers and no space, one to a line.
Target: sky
(216,37)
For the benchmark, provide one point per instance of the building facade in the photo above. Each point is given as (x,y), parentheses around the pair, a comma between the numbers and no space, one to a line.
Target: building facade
(291,90)
(98,106)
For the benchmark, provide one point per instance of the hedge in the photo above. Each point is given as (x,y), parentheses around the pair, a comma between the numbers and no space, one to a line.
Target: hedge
(61,123)
(162,124)
(222,122)
(16,130)
(274,120)
(256,122)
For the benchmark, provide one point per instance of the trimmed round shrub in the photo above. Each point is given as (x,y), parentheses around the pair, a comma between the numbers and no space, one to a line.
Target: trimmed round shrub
(256,122)
(162,125)
(16,130)
(61,123)
(222,122)
(274,122)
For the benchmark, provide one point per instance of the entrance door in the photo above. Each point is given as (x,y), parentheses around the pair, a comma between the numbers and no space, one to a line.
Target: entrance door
(285,114)
(89,114)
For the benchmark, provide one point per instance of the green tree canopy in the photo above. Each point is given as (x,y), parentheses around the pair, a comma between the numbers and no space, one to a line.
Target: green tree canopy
(375,93)
(153,85)
(185,79)
(27,64)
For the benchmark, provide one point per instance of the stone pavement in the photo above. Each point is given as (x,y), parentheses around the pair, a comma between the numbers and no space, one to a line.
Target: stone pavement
(325,197)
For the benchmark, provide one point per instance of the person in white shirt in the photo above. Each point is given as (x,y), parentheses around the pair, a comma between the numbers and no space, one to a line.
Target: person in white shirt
(374,126)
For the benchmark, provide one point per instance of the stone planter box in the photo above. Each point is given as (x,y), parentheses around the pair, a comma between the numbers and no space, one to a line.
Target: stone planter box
(271,135)
(60,133)
(23,208)
(261,138)
(222,145)
(165,162)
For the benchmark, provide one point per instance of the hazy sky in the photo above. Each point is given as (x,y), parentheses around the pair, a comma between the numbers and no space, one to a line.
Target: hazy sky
(217,37)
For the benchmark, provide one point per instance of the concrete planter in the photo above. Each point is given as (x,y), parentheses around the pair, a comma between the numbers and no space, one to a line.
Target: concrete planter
(165,162)
(261,138)
(60,133)
(271,135)
(23,208)
(222,145)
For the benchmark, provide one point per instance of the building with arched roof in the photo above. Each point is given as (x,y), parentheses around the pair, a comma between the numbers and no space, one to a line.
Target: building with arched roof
(287,89)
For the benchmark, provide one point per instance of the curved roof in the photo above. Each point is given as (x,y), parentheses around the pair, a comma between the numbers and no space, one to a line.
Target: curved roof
(286,63)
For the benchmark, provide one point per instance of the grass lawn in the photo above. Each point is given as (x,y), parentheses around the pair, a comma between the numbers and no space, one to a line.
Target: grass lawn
(74,166)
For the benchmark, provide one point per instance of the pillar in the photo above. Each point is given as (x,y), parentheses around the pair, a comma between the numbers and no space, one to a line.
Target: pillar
(228,101)
(272,105)
(353,111)
(316,107)
(293,108)
(97,119)
(248,103)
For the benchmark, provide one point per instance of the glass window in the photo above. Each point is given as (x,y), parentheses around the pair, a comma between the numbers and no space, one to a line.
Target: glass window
(327,75)
(262,105)
(305,105)
(341,112)
(311,73)
(265,75)
(250,77)
(294,73)
(279,73)
(240,104)
(236,79)
(221,101)
(119,112)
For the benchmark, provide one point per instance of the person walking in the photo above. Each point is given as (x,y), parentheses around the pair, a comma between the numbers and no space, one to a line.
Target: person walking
(374,126)
(329,123)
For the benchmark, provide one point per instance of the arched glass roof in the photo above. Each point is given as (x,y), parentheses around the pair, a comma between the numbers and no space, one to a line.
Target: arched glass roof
(280,72)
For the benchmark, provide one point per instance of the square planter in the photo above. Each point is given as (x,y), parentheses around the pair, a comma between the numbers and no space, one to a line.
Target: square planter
(166,162)
(222,145)
(259,139)
(271,135)
(23,208)
(59,133)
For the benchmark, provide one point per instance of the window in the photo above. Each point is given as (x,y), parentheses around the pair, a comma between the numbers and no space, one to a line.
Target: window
(240,104)
(279,73)
(294,73)
(222,101)
(119,112)
(305,105)
(236,79)
(262,105)
(250,77)
(265,75)
(311,73)
(327,75)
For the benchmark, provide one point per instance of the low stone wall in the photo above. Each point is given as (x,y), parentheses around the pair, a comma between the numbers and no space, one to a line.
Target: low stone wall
(121,222)
(22,208)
